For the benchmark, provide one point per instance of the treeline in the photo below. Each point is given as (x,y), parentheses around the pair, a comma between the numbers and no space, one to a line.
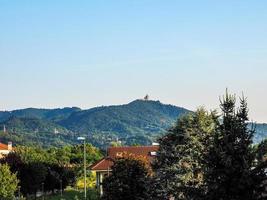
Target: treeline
(205,156)
(48,170)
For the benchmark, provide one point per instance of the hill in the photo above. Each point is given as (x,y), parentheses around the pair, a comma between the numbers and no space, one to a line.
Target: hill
(48,114)
(139,122)
(34,131)
(24,124)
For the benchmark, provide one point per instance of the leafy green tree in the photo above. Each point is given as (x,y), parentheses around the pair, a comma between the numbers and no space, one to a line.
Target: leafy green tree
(115,144)
(231,171)
(14,162)
(35,165)
(41,167)
(128,180)
(32,175)
(33,154)
(179,162)
(92,154)
(8,183)
(58,176)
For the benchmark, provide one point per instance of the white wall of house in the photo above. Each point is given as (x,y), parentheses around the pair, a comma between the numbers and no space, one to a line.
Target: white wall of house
(4,152)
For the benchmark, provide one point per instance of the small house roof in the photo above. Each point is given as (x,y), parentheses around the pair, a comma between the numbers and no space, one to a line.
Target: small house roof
(3,146)
(115,152)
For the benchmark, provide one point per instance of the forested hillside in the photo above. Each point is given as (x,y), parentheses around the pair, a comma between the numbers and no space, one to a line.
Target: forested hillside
(48,114)
(139,122)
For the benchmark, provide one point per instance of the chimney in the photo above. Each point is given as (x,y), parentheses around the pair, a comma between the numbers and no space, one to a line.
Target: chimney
(9,146)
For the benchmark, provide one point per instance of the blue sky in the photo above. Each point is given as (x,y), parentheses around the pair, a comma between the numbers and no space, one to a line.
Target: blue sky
(91,53)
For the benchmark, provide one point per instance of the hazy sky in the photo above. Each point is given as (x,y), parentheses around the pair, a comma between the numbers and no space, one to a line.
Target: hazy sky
(91,53)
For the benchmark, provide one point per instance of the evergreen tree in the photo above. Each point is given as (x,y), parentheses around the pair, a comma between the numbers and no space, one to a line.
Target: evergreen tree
(179,163)
(231,171)
(8,183)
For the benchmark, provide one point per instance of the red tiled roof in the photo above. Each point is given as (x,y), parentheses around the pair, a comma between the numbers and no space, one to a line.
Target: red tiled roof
(115,152)
(3,147)
(103,164)
(136,150)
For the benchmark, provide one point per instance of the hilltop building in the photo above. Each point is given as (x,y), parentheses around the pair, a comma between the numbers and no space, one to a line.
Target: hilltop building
(103,166)
(56,131)
(5,149)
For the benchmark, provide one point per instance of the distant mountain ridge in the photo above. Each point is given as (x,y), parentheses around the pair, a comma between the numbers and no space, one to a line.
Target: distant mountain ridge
(39,113)
(138,122)
(138,115)
(56,114)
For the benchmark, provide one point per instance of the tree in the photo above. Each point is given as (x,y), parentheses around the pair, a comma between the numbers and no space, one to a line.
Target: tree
(8,183)
(36,166)
(179,162)
(231,172)
(32,175)
(262,151)
(13,160)
(129,179)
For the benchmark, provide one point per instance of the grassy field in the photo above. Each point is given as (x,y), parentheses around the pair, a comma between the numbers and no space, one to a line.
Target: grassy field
(72,195)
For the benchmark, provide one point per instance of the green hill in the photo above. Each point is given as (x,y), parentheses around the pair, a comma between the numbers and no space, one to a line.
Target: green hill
(139,122)
(23,124)
(48,114)
(34,131)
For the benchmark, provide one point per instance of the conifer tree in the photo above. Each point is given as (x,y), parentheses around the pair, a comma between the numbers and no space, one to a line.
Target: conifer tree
(231,172)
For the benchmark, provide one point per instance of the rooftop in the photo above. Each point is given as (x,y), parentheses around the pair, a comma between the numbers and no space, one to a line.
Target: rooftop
(3,146)
(115,152)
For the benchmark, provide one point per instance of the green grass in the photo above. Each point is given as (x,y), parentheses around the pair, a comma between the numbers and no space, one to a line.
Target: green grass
(73,195)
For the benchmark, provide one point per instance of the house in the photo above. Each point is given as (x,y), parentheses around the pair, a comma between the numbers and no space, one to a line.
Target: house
(103,166)
(5,149)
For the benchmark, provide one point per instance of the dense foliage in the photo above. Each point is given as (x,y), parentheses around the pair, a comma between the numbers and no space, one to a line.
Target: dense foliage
(261,151)
(33,131)
(231,172)
(47,114)
(8,183)
(129,179)
(53,168)
(179,163)
(208,156)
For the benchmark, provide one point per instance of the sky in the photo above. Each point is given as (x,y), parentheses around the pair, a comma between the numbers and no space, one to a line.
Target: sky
(93,53)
